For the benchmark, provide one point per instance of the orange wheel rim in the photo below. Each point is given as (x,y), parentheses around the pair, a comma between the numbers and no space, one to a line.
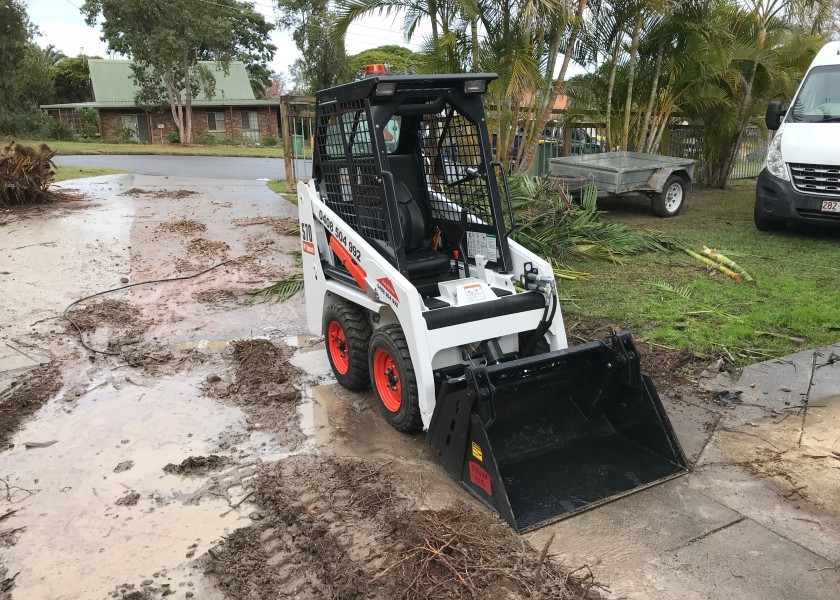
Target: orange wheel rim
(337,345)
(386,377)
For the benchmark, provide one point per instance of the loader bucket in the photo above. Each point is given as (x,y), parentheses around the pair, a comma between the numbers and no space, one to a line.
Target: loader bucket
(539,439)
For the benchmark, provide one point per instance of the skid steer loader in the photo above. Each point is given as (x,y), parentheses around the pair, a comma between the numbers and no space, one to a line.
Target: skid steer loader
(411,275)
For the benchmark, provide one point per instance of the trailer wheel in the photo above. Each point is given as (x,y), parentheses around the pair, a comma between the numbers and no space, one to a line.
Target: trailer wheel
(670,201)
(392,378)
(347,336)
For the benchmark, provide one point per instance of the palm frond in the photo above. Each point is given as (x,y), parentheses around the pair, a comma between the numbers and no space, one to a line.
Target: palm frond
(280,291)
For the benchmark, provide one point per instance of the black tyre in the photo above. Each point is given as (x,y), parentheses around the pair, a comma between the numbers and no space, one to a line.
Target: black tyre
(346,335)
(670,202)
(392,378)
(762,223)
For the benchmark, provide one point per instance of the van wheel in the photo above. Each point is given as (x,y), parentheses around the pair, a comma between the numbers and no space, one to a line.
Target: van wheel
(393,380)
(762,223)
(670,201)
(347,337)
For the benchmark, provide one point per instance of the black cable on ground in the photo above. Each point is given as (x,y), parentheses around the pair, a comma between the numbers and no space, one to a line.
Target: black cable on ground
(130,285)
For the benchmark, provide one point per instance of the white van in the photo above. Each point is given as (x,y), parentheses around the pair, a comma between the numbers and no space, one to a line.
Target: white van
(801,176)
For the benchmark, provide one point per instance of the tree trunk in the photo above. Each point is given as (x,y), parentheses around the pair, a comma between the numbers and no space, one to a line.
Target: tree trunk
(662,125)
(433,15)
(723,175)
(474,32)
(187,98)
(643,144)
(631,76)
(610,88)
(531,150)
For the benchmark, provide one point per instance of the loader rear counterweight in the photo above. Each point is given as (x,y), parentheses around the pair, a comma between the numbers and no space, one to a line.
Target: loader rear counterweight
(413,278)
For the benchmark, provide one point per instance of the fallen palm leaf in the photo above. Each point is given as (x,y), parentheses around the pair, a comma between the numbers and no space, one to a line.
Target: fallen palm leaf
(728,262)
(708,261)
(280,291)
(685,293)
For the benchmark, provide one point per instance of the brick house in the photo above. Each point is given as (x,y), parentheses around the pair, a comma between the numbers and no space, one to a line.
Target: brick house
(232,112)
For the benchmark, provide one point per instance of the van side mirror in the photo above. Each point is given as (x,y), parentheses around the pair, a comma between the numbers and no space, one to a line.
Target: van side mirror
(774,115)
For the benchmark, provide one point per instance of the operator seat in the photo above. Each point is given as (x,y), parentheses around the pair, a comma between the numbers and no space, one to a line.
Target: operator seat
(415,221)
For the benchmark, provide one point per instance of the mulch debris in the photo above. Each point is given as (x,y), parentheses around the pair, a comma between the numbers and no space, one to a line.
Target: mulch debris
(174,194)
(280,225)
(262,374)
(341,528)
(183,226)
(122,317)
(26,396)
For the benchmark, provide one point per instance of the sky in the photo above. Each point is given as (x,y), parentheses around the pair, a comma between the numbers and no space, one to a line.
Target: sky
(61,24)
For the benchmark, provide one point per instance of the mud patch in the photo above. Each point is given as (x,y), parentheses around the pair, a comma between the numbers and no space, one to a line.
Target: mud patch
(174,194)
(342,528)
(261,380)
(197,465)
(262,374)
(215,296)
(183,227)
(798,451)
(281,226)
(130,499)
(123,318)
(6,583)
(26,396)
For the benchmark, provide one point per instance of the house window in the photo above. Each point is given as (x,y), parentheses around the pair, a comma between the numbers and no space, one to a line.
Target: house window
(216,122)
(130,127)
(250,125)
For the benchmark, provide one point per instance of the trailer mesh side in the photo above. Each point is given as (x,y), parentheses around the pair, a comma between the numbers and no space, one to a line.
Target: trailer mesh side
(348,169)
(452,142)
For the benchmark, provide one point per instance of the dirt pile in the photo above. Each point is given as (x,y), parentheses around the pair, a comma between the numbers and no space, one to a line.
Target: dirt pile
(26,175)
(183,226)
(174,194)
(25,397)
(262,374)
(197,465)
(340,528)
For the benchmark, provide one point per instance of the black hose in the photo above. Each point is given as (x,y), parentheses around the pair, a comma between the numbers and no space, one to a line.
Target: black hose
(108,352)
(545,323)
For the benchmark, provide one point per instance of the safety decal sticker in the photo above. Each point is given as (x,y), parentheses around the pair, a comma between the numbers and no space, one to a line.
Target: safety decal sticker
(480,477)
(387,286)
(474,292)
(476,451)
(309,247)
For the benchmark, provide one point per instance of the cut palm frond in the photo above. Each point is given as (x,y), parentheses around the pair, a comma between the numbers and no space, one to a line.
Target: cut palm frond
(280,291)
(551,224)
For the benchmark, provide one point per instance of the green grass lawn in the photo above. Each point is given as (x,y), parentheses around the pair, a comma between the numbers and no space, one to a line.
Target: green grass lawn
(278,186)
(796,293)
(107,148)
(65,173)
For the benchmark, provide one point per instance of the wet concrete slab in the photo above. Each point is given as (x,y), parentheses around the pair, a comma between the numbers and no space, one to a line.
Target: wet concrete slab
(744,561)
(621,536)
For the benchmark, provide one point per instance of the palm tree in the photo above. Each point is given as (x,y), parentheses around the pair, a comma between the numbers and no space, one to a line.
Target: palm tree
(53,55)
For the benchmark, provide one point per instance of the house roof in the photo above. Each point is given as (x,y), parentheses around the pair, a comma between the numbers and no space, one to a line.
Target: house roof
(114,87)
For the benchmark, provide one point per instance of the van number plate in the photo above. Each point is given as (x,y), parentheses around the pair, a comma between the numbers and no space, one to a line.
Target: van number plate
(831,206)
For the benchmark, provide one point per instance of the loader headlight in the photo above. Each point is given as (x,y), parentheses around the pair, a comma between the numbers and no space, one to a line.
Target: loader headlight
(475,86)
(775,163)
(386,89)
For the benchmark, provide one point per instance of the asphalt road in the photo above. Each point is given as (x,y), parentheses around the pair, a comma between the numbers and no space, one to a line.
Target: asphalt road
(205,167)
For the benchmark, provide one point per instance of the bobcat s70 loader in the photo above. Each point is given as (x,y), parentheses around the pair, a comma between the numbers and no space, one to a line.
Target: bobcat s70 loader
(413,279)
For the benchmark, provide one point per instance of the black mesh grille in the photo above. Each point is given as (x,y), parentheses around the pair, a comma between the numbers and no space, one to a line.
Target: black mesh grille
(349,173)
(451,148)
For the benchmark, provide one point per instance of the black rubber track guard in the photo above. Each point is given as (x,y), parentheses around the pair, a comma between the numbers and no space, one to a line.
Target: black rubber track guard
(540,439)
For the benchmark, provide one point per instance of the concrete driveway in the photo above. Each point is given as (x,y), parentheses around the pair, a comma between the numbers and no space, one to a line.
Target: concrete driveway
(205,167)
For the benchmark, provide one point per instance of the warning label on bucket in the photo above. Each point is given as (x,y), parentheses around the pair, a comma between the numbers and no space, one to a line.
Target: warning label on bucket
(476,451)
(480,477)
